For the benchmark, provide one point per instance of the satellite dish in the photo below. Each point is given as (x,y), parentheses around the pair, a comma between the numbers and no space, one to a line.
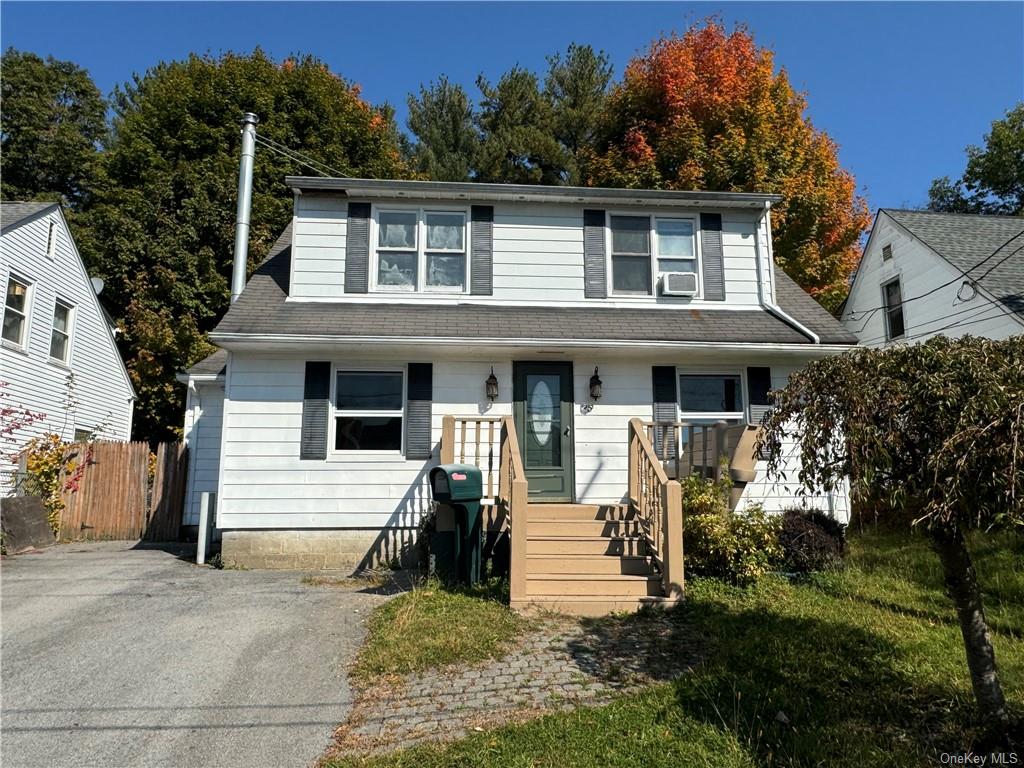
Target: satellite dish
(97,285)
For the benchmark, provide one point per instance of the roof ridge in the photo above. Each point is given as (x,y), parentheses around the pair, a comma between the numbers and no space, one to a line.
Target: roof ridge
(955,213)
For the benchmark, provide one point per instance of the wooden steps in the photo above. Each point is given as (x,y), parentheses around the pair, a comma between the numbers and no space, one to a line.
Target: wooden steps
(587,560)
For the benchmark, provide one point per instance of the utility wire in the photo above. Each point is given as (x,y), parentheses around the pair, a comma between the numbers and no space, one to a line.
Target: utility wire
(994,312)
(963,274)
(300,157)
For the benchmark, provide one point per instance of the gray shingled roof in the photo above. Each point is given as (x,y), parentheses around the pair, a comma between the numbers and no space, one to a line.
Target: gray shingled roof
(967,241)
(262,310)
(12,214)
(211,365)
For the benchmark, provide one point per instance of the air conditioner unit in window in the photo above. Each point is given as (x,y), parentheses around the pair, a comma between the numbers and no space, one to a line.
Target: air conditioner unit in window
(679,284)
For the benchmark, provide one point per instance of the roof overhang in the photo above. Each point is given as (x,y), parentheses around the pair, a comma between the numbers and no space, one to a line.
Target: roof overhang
(506,346)
(527,193)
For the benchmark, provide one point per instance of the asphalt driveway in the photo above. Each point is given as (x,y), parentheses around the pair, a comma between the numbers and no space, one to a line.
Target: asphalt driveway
(118,657)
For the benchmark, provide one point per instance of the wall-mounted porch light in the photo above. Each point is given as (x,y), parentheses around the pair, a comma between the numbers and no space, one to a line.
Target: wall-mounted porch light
(595,386)
(491,386)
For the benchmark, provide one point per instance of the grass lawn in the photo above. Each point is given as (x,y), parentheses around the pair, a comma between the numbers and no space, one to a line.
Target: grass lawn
(859,668)
(434,627)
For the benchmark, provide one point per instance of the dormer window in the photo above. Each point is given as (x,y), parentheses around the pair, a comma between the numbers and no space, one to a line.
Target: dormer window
(646,248)
(421,250)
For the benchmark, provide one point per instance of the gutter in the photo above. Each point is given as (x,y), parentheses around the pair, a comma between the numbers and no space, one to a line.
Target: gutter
(769,301)
(227,340)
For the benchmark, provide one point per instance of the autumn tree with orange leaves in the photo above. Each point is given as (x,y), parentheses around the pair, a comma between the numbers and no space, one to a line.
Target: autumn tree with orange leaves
(706,110)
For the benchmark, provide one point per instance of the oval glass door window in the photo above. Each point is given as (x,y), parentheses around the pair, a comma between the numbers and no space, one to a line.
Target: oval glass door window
(542,406)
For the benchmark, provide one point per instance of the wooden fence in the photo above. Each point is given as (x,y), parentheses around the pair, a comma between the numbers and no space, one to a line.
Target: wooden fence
(117,495)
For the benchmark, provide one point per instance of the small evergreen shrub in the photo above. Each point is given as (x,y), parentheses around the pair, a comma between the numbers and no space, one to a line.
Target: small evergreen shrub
(739,548)
(811,541)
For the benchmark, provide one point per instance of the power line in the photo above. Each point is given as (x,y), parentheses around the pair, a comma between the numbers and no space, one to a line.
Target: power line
(963,274)
(994,312)
(300,157)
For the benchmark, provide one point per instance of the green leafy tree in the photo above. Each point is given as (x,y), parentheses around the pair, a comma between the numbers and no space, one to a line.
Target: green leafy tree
(933,435)
(517,123)
(576,86)
(53,120)
(448,142)
(993,181)
(159,228)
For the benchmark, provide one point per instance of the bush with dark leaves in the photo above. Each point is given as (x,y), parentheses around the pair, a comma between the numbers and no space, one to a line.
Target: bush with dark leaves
(811,540)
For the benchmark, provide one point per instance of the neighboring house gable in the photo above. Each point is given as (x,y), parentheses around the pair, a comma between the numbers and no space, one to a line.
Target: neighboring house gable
(925,273)
(55,327)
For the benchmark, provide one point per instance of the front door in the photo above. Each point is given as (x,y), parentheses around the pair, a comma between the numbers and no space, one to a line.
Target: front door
(542,407)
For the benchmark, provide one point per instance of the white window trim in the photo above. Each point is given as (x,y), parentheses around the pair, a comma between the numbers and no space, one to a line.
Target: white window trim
(740,415)
(421,249)
(72,316)
(898,279)
(653,235)
(337,368)
(22,345)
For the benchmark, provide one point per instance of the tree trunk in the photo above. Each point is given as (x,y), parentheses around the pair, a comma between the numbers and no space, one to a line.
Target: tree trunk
(962,583)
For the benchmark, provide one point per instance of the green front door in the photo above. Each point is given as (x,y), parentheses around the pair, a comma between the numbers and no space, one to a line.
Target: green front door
(542,407)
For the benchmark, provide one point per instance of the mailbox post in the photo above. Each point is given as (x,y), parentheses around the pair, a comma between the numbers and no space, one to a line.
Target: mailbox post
(459,487)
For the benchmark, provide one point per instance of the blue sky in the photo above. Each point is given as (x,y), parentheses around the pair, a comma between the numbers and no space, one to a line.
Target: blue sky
(902,88)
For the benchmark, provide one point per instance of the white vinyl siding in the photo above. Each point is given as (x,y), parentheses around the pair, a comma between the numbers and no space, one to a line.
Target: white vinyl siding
(101,389)
(921,273)
(265,485)
(537,254)
(203,418)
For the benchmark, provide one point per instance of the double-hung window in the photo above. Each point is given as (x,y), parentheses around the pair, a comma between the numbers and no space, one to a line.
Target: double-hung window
(892,297)
(421,250)
(644,248)
(60,335)
(368,410)
(16,311)
(710,397)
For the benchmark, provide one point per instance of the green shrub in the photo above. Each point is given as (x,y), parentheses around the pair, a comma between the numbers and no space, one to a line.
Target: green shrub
(702,496)
(811,541)
(739,548)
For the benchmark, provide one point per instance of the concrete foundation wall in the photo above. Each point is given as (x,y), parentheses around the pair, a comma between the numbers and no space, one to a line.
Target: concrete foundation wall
(347,549)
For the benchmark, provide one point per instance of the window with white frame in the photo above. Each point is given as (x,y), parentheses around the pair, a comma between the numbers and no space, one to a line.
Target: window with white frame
(710,397)
(368,410)
(643,248)
(16,311)
(892,297)
(60,334)
(421,250)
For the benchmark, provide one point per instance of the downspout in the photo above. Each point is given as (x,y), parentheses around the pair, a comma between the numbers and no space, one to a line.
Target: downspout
(768,297)
(241,262)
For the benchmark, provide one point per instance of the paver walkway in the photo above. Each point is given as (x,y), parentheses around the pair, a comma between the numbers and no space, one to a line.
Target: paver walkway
(564,664)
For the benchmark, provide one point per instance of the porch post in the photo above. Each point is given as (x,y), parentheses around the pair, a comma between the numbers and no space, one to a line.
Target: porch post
(517,534)
(448,440)
(672,546)
(720,447)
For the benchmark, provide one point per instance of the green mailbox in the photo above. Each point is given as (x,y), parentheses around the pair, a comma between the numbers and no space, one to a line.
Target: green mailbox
(458,488)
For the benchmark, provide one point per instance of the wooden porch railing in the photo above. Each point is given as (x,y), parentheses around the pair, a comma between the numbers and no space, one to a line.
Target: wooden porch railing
(691,448)
(470,440)
(658,503)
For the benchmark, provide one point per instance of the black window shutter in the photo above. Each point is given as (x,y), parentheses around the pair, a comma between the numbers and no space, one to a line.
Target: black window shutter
(759,382)
(316,397)
(357,249)
(418,410)
(712,256)
(666,408)
(595,264)
(481,239)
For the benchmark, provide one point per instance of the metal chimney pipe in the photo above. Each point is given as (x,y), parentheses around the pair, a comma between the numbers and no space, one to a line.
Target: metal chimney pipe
(238,269)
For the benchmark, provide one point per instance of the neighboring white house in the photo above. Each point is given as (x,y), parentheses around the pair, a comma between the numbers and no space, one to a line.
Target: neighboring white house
(387,305)
(925,274)
(57,354)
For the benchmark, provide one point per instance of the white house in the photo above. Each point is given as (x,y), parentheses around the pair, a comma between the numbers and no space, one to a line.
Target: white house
(399,321)
(925,274)
(57,354)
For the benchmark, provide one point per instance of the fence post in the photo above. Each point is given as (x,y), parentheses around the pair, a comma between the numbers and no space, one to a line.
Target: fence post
(448,440)
(673,539)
